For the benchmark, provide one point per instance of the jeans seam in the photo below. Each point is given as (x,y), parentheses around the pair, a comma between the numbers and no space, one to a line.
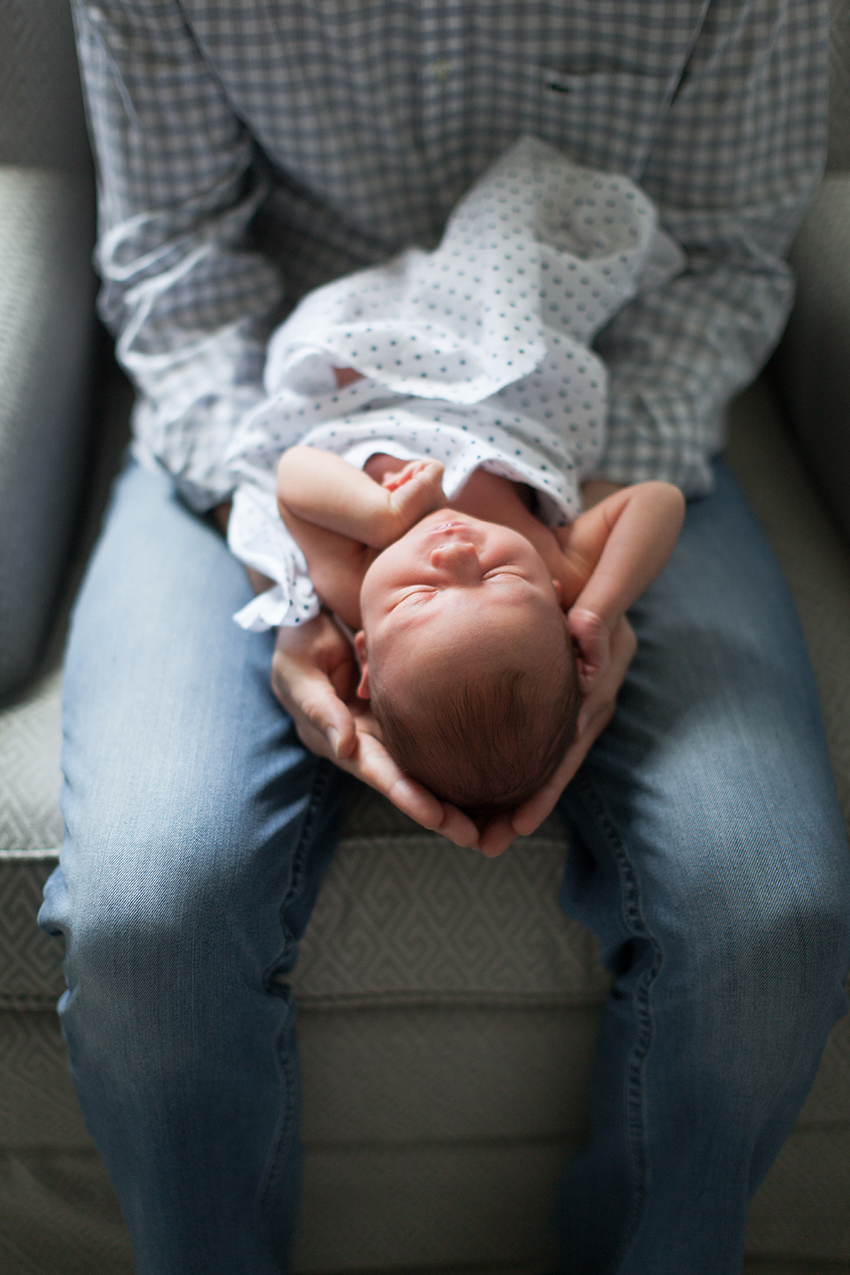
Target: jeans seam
(299,874)
(634,922)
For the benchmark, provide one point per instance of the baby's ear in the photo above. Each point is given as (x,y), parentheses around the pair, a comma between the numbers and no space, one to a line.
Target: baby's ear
(360,651)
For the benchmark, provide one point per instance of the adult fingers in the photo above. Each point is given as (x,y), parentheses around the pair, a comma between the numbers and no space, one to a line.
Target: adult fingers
(371,763)
(312,668)
(598,707)
(596,712)
(496,836)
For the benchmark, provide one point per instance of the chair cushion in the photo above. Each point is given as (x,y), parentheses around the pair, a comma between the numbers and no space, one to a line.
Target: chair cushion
(46,300)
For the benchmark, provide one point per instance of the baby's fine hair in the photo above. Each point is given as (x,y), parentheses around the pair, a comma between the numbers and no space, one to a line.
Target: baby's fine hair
(487,743)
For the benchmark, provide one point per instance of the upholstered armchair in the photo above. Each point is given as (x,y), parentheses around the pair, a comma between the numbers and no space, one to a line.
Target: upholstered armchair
(447,1009)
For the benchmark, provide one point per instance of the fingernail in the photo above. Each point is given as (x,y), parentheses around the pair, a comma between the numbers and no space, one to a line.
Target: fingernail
(333,738)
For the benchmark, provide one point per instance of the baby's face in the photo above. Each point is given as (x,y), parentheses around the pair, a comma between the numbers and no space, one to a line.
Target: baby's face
(449,583)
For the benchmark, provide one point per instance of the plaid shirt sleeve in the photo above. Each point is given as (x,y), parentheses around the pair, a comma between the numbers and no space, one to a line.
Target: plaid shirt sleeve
(178,185)
(738,159)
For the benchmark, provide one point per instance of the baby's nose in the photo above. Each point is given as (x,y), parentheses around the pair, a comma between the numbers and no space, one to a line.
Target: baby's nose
(457,557)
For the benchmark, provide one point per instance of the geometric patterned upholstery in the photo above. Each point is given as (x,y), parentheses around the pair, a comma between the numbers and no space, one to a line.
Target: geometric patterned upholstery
(411,916)
(30,739)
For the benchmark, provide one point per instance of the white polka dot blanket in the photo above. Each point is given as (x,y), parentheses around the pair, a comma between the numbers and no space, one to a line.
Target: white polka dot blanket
(476,354)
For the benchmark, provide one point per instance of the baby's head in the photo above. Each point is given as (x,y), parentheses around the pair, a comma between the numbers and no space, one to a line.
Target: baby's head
(467,661)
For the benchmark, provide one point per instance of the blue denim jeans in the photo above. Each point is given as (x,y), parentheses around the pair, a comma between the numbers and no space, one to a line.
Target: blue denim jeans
(707,852)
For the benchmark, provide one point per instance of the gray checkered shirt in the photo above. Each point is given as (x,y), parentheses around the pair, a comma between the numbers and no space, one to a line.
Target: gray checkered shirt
(249,150)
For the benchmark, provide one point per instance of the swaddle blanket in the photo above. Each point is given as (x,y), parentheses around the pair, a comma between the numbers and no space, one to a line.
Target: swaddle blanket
(476,354)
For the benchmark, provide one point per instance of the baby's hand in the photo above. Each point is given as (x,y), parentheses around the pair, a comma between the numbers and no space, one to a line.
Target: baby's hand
(415,490)
(592,643)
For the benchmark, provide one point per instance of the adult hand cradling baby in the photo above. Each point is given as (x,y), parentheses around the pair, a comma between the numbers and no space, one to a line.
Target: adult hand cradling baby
(314,676)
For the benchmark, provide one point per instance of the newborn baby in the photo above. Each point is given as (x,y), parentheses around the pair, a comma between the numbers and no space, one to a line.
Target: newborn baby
(474,355)
(477,627)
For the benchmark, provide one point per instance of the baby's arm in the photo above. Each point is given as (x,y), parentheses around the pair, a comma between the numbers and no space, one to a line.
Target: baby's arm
(340,517)
(324,490)
(614,550)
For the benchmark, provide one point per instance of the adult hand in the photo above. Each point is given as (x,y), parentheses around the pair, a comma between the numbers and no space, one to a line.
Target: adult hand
(314,676)
(595,714)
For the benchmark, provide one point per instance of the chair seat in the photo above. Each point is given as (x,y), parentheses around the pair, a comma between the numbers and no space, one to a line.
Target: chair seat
(447,1009)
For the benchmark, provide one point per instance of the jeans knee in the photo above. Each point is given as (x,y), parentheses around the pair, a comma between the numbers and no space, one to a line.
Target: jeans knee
(796,935)
(146,911)
(769,984)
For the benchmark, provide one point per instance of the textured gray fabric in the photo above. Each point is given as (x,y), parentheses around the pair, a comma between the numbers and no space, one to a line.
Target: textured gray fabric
(399,917)
(58,1216)
(38,1106)
(41,108)
(429,1073)
(813,556)
(46,328)
(373,1076)
(448,1203)
(30,738)
(803,1207)
(839,86)
(803,1211)
(30,725)
(813,358)
(768,1266)
(30,975)
(453,1203)
(828,1103)
(486,1066)
(417,915)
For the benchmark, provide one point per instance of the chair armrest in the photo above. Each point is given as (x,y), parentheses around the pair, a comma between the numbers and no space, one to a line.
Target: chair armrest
(47,290)
(812,363)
